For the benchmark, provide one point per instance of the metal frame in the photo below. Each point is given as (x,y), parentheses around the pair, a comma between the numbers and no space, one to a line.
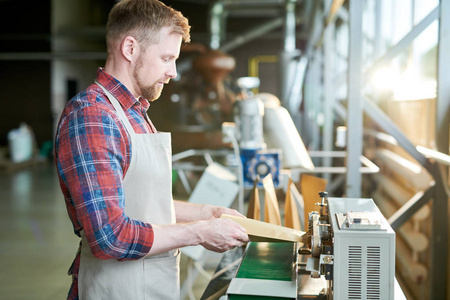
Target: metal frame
(366,166)
(354,108)
(181,167)
(438,192)
(439,239)
(329,96)
(320,68)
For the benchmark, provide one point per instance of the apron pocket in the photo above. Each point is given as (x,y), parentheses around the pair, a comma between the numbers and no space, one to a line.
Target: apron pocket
(162,277)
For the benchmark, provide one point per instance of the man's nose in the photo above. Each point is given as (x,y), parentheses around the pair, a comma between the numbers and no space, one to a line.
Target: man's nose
(172,72)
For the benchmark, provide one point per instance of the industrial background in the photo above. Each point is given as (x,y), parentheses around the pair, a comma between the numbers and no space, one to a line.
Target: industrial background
(377,71)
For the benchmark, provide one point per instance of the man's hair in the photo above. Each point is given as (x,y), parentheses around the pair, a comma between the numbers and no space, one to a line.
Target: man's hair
(143,19)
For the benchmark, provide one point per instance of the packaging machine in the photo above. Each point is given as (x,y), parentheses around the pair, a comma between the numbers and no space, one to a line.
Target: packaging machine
(347,253)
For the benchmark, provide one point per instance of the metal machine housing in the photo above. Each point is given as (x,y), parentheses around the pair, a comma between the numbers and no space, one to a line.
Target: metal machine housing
(364,251)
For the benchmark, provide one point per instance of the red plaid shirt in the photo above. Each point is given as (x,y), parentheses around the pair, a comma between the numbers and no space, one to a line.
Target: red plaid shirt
(92,154)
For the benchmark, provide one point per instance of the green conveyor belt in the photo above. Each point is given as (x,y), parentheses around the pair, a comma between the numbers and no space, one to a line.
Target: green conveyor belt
(269,261)
(247,297)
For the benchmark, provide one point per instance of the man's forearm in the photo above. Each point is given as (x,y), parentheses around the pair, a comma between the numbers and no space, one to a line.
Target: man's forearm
(189,212)
(215,234)
(168,237)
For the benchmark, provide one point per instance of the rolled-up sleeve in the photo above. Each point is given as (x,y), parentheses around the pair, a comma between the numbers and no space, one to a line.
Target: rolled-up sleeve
(91,155)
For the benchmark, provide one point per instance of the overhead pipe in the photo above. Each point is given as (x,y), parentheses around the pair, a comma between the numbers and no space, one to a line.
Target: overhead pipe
(289,58)
(216,24)
(289,26)
(333,13)
(290,55)
(252,34)
(218,14)
(53,55)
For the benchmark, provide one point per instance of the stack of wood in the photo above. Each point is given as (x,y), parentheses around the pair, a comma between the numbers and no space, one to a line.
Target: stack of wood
(400,178)
(399,181)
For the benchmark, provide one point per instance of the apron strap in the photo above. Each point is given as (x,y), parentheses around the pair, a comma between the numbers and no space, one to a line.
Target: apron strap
(77,256)
(118,109)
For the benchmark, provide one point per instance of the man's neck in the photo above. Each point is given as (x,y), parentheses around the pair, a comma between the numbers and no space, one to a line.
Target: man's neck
(121,72)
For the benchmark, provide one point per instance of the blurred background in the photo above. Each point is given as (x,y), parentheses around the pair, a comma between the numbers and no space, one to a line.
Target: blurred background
(366,84)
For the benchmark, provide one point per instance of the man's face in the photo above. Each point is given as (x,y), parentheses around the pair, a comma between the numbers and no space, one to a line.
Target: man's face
(156,65)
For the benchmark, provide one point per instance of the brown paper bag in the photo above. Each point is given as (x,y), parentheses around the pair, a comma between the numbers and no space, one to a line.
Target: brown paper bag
(271,208)
(310,187)
(259,231)
(254,209)
(291,218)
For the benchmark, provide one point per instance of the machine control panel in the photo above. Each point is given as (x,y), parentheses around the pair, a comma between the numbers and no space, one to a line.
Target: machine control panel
(360,220)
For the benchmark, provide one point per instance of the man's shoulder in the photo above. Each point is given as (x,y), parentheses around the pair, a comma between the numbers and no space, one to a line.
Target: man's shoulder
(92,98)
(91,103)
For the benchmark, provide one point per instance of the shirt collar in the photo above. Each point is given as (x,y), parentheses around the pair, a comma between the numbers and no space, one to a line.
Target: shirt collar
(120,91)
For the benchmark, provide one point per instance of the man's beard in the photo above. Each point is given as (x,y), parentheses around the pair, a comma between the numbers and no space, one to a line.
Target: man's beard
(150,92)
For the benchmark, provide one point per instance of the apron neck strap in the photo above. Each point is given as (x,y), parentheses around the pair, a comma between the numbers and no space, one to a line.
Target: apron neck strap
(118,109)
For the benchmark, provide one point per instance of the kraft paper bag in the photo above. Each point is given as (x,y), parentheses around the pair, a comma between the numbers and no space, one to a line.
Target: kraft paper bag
(291,217)
(271,208)
(310,187)
(254,209)
(259,231)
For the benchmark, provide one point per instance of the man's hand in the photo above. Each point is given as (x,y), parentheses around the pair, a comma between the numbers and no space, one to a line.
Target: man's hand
(189,212)
(221,235)
(217,211)
(215,234)
(199,224)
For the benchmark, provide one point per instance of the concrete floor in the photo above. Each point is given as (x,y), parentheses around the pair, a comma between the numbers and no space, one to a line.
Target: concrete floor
(37,243)
(37,240)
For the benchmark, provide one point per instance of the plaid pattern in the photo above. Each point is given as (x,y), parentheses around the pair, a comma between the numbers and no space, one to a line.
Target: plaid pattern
(92,155)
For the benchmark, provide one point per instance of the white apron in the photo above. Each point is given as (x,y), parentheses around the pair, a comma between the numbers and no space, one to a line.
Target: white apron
(148,197)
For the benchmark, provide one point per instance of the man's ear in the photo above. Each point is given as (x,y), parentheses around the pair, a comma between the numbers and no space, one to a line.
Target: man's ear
(130,48)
